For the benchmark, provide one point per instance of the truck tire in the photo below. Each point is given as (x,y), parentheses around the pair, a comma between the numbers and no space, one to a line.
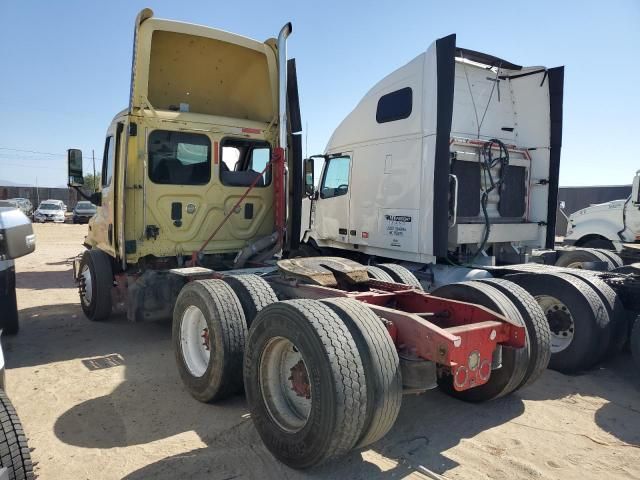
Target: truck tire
(305,382)
(379,274)
(209,332)
(577,318)
(8,303)
(95,282)
(515,361)
(381,367)
(611,255)
(15,455)
(576,258)
(616,311)
(597,243)
(253,292)
(401,274)
(538,334)
(634,342)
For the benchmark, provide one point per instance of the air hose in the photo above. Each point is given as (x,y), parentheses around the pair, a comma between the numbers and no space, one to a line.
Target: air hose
(487,162)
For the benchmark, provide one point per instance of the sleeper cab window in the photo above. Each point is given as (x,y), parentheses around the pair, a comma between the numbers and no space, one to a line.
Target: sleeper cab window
(179,158)
(395,105)
(336,177)
(244,161)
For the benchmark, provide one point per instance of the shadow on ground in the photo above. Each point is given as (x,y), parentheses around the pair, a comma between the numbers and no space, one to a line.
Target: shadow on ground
(151,404)
(612,380)
(45,280)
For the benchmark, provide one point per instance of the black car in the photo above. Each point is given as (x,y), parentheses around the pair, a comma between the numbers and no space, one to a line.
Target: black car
(83,212)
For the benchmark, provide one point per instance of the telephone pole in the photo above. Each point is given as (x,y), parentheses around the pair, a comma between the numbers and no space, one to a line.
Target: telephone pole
(95,183)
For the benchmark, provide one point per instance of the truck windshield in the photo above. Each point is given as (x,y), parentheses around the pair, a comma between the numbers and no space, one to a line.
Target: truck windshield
(178,158)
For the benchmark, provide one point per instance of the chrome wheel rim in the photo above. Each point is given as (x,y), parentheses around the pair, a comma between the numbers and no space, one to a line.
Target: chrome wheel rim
(195,342)
(561,322)
(284,384)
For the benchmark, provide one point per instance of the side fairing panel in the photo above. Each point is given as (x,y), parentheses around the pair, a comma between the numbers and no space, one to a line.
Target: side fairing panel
(445,67)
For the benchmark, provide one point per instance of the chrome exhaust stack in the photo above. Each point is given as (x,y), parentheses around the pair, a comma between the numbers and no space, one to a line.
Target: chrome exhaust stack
(282,80)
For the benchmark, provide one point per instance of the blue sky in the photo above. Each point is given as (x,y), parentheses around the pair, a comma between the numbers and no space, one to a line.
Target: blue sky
(66,67)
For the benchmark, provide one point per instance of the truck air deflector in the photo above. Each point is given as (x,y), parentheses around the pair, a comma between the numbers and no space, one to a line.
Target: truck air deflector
(485,59)
(445,61)
(556,92)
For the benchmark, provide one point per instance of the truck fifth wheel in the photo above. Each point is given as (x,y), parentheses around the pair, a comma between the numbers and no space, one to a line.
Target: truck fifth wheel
(198,212)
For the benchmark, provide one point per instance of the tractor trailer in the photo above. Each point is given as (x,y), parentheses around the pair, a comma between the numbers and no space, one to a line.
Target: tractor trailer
(199,220)
(448,167)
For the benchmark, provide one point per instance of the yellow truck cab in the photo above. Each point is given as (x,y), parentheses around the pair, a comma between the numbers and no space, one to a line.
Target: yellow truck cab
(206,116)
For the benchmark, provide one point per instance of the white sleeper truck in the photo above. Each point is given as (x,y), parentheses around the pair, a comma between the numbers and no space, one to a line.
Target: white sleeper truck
(611,225)
(448,167)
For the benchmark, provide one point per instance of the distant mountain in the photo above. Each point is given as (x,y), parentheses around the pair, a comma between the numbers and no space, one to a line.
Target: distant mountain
(8,183)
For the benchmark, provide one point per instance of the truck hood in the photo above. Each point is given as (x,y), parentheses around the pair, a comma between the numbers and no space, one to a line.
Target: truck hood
(598,208)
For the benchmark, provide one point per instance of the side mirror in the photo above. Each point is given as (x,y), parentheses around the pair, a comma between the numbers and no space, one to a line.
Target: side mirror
(562,205)
(635,189)
(74,167)
(96,199)
(16,234)
(309,180)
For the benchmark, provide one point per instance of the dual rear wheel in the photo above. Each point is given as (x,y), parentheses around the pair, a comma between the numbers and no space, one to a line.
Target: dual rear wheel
(320,377)
(586,319)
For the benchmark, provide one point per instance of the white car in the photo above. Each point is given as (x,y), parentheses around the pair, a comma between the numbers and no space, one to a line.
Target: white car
(50,211)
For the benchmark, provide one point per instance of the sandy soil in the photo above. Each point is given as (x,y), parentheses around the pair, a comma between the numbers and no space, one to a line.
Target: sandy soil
(104,401)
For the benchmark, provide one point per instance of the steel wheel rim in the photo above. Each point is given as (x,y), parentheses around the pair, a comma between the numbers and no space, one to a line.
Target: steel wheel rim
(576,265)
(195,341)
(284,384)
(86,292)
(561,322)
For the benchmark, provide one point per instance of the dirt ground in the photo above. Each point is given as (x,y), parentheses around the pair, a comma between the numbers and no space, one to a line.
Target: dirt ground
(104,401)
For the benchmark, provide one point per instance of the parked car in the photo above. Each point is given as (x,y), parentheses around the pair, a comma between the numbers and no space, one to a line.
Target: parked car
(9,203)
(83,211)
(50,211)
(18,239)
(25,205)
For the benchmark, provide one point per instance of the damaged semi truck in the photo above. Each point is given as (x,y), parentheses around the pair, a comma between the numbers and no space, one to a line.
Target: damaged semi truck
(199,210)
(447,171)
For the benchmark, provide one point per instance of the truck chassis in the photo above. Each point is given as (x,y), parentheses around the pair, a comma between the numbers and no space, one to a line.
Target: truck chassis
(286,330)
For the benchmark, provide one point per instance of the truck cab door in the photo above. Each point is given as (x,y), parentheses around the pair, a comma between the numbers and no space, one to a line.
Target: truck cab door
(331,221)
(103,226)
